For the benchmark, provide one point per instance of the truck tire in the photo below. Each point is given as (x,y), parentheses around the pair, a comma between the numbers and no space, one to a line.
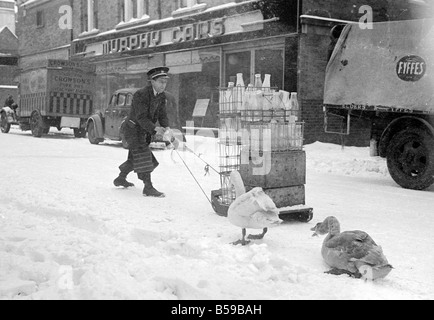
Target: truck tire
(410,159)
(91,134)
(37,125)
(5,126)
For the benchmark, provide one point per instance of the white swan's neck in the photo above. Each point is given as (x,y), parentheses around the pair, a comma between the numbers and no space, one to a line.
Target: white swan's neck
(238,183)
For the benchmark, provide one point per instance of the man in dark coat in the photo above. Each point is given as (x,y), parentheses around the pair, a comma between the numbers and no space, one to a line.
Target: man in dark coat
(9,101)
(148,107)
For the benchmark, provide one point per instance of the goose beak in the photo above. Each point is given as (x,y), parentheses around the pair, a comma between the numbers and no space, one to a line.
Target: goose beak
(314,229)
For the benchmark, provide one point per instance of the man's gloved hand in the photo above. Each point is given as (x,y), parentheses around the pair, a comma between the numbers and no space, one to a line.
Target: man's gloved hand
(168,135)
(159,131)
(159,134)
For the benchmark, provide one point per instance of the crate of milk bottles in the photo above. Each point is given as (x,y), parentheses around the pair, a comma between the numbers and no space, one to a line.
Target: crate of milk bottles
(230,142)
(267,110)
(255,118)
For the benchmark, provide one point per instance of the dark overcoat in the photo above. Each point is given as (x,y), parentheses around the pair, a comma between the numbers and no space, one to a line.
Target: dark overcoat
(146,110)
(9,102)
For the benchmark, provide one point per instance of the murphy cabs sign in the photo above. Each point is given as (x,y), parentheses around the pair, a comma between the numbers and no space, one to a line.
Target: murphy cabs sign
(197,31)
(178,34)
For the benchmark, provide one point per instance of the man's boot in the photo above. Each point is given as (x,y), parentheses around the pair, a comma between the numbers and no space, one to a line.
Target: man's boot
(121,181)
(149,190)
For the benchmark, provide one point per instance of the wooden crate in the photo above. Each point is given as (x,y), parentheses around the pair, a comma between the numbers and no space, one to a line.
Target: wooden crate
(287,196)
(284,169)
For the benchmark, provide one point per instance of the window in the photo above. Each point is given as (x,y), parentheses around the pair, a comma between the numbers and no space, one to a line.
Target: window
(184,7)
(238,62)
(255,61)
(40,19)
(122,99)
(270,61)
(129,99)
(89,14)
(114,100)
(134,9)
(183,4)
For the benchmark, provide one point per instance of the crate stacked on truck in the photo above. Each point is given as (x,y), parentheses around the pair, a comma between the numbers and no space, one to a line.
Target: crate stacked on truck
(386,74)
(56,93)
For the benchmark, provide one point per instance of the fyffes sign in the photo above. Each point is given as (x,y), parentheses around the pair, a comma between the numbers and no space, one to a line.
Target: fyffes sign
(411,68)
(196,31)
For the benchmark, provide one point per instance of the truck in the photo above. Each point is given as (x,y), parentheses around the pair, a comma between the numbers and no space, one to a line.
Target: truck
(386,75)
(56,93)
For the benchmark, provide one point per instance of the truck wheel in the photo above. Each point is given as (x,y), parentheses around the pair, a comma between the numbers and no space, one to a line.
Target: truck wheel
(79,133)
(37,124)
(91,134)
(410,159)
(5,126)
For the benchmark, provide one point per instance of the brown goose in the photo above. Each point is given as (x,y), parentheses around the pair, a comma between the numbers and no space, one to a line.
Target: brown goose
(351,252)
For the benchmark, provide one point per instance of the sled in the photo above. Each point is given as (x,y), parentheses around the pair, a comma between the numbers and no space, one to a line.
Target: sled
(297,213)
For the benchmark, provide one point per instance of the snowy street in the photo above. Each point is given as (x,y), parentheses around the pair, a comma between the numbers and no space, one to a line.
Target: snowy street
(67,233)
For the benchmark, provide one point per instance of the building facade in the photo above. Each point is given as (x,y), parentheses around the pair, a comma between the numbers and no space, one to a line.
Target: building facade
(8,52)
(205,43)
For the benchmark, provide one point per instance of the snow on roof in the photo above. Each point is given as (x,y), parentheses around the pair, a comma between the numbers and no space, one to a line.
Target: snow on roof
(32,2)
(8,87)
(307,16)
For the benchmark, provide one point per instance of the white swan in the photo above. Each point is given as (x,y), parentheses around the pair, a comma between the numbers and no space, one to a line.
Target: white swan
(251,210)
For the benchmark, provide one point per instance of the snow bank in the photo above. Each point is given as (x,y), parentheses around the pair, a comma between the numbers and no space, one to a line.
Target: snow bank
(330,158)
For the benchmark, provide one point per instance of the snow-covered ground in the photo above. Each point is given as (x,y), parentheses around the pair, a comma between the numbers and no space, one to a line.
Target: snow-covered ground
(67,233)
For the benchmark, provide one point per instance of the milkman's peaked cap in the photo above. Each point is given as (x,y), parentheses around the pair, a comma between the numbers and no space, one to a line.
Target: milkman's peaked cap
(159,72)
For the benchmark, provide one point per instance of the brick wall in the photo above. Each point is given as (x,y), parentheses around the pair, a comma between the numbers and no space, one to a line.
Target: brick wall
(7,75)
(108,15)
(312,63)
(109,12)
(34,39)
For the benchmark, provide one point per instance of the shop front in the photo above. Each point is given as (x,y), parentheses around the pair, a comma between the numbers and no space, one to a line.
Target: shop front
(203,56)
